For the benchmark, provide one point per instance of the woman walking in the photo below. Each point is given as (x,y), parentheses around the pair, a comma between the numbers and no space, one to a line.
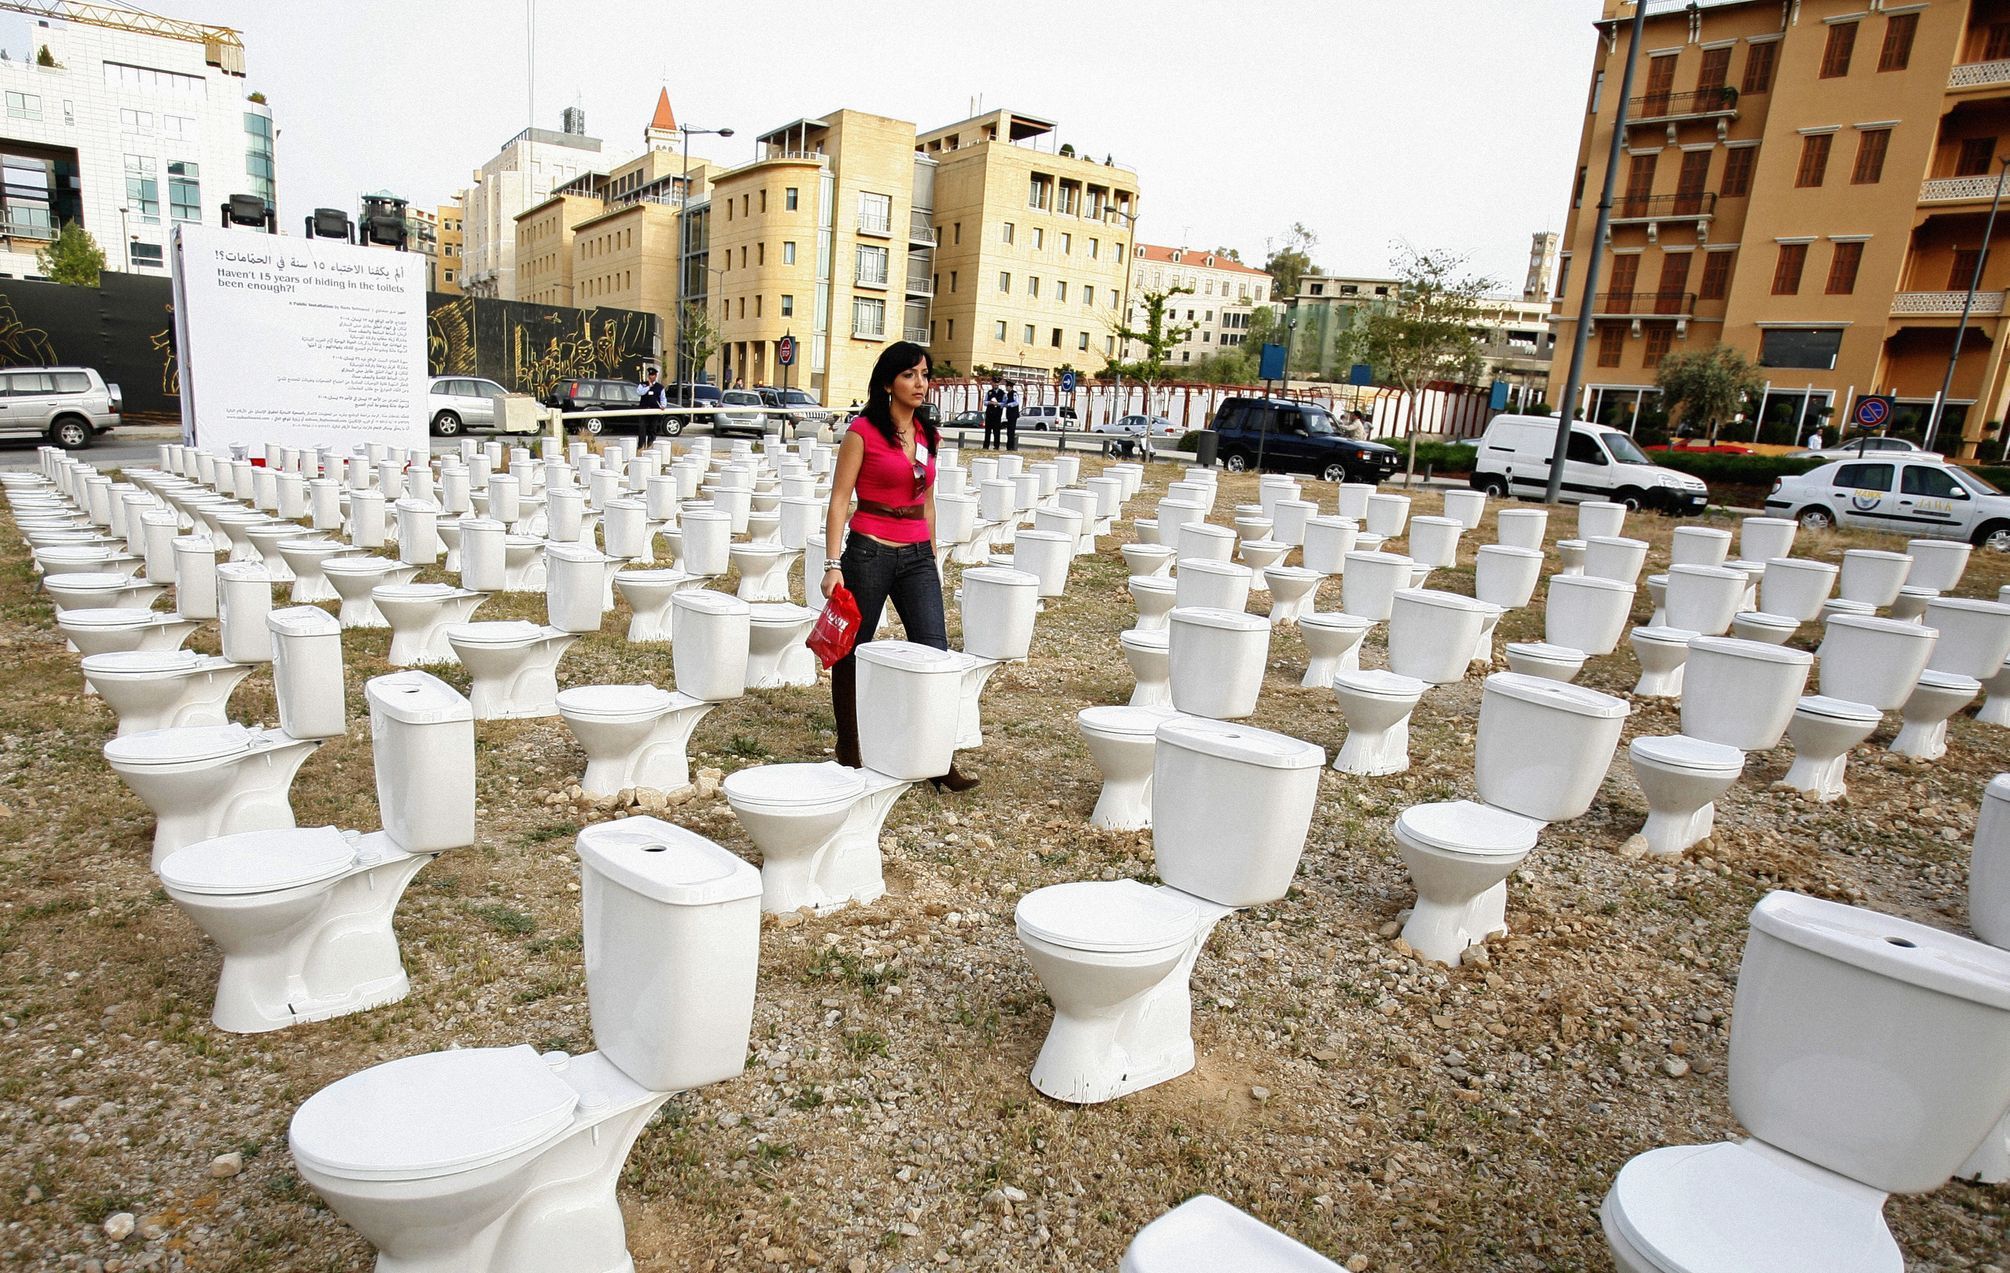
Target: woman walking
(887,458)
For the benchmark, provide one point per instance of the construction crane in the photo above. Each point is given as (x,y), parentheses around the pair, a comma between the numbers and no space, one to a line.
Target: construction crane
(222,47)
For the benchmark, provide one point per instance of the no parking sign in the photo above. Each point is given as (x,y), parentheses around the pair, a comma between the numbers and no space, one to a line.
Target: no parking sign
(1873,411)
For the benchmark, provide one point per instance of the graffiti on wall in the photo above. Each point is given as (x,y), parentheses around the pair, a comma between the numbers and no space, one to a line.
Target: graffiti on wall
(536,346)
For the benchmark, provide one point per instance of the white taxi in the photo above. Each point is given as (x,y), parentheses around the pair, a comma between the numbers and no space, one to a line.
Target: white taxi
(1920,497)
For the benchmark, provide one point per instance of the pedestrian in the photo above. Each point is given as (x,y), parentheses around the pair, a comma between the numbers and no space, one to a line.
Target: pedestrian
(652,397)
(1815,439)
(887,459)
(1012,419)
(994,416)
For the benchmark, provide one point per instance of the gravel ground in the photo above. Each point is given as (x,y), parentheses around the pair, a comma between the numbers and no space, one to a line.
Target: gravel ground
(1393,1113)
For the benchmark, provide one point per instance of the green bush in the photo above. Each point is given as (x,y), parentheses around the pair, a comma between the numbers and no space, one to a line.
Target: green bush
(1190,440)
(1436,457)
(1997,475)
(1735,470)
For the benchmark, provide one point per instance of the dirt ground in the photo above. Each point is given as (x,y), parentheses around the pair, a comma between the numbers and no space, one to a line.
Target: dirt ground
(1392,1113)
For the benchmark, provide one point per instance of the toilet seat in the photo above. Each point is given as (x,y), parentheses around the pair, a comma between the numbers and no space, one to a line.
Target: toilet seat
(1380,683)
(1663,635)
(438,1114)
(1123,722)
(1679,751)
(1950,681)
(193,745)
(259,862)
(1729,1207)
(499,632)
(799,788)
(615,702)
(1146,638)
(1838,709)
(1544,652)
(778,614)
(1469,828)
(112,617)
(144,662)
(1107,917)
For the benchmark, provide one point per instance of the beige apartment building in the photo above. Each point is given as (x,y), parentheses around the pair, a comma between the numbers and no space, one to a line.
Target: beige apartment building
(1032,248)
(449,217)
(1808,183)
(1221,294)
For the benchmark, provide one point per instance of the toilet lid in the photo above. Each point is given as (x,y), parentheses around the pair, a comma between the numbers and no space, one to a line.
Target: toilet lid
(1737,647)
(1221,620)
(612,702)
(1379,683)
(1558,694)
(706,601)
(1205,1232)
(142,662)
(1337,619)
(1836,708)
(1141,722)
(1469,827)
(362,566)
(259,861)
(1155,639)
(1543,651)
(1727,1208)
(1949,681)
(780,614)
(178,746)
(1664,635)
(433,1115)
(1760,619)
(649,576)
(108,617)
(1679,751)
(498,632)
(1115,917)
(802,787)
(1238,743)
(410,591)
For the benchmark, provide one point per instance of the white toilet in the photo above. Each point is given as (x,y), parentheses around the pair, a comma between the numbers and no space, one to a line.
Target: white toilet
(1212,585)
(1995,709)
(1540,658)
(1115,957)
(1521,527)
(1838,1009)
(1369,585)
(1206,1235)
(1796,587)
(1587,613)
(419,615)
(1871,576)
(1332,645)
(1698,546)
(1376,705)
(1149,655)
(1600,519)
(1823,730)
(1154,596)
(1432,634)
(1910,604)
(999,608)
(1148,559)
(502,1159)
(1681,777)
(648,594)
(777,653)
(354,578)
(1760,539)
(1937,563)
(1767,629)
(1460,852)
(634,736)
(1989,866)
(1291,591)
(1741,693)
(817,826)
(303,915)
(1121,741)
(1922,729)
(512,666)
(1386,515)
(1662,653)
(1873,661)
(1215,660)
(1435,540)
(714,641)
(763,570)
(1614,557)
(105,629)
(164,689)
(1974,635)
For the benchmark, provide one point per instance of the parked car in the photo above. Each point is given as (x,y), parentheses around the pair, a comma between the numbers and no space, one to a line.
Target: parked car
(1598,464)
(965,420)
(462,402)
(1139,426)
(1042,419)
(600,395)
(70,406)
(1298,437)
(1915,495)
(801,407)
(1863,444)
(740,413)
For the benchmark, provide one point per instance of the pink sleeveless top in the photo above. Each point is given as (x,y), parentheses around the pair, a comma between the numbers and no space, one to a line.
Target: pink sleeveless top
(887,477)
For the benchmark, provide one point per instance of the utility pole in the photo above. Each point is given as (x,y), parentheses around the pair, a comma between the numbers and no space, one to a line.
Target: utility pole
(1967,306)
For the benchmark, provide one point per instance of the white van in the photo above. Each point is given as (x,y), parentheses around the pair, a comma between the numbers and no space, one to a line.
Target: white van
(1599,464)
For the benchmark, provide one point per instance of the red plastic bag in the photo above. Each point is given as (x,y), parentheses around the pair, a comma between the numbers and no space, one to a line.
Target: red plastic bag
(837,627)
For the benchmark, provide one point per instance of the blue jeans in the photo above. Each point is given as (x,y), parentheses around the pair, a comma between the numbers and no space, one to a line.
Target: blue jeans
(876,573)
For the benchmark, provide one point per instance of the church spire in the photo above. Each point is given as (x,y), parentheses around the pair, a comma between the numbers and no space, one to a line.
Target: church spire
(662,130)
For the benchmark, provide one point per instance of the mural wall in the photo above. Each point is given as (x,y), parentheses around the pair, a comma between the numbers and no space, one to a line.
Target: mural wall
(124,327)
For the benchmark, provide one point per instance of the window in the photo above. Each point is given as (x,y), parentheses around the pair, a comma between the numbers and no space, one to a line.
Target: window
(143,190)
(760,251)
(1660,339)
(1871,145)
(952,329)
(1787,272)
(875,213)
(1026,335)
(1930,480)
(957,227)
(1716,284)
(1004,282)
(1962,272)
(1039,238)
(1093,245)
(1082,340)
(136,121)
(868,316)
(1802,348)
(1842,268)
(184,191)
(1033,286)
(1037,187)
(1088,297)
(1562,276)
(788,252)
(1814,159)
(1715,73)
(1863,477)
(1000,334)
(789,199)
(952,280)
(24,106)
(788,306)
(1067,243)
(757,304)
(1977,156)
(1110,346)
(1583,449)
(1611,341)
(145,253)
(1738,165)
(1899,29)
(1054,341)
(1759,65)
(145,79)
(1842,43)
(1061,291)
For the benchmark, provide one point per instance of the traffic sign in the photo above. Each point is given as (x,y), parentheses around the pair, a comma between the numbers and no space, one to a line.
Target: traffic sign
(1067,382)
(1873,411)
(785,351)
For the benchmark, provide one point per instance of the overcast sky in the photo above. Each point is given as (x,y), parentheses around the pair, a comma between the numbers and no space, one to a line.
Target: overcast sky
(1444,123)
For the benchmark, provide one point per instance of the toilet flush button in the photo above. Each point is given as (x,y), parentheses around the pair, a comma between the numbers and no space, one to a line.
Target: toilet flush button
(557,1059)
(590,1101)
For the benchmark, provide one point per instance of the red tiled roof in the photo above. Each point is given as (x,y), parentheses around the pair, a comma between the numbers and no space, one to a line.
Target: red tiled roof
(663,119)
(1195,257)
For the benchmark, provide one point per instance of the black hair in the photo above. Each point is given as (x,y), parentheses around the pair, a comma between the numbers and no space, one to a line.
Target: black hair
(897,357)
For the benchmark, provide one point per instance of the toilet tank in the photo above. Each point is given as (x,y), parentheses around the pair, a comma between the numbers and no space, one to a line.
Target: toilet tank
(575,587)
(307,672)
(908,701)
(422,739)
(1578,729)
(709,654)
(1903,1026)
(672,926)
(998,612)
(1231,806)
(1741,693)
(1989,866)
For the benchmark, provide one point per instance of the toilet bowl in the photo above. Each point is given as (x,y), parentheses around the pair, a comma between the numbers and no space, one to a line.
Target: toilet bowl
(1148,653)
(353,579)
(74,591)
(1292,589)
(1680,778)
(1432,634)
(1910,605)
(1662,653)
(1205,1233)
(104,629)
(1937,563)
(648,594)
(634,736)
(1974,635)
(303,916)
(763,570)
(1370,582)
(1521,527)
(1148,559)
(1873,661)
(777,655)
(1541,659)
(1121,741)
(1570,558)
(305,559)
(1989,866)
(497,1159)
(1614,557)
(1995,709)
(163,689)
(1760,539)
(524,568)
(1741,693)
(1922,730)
(1795,587)
(512,666)
(1376,705)
(1838,1008)
(1767,629)
(1587,613)
(419,615)
(1213,585)
(1215,661)
(1871,576)
(1260,555)
(1836,605)
(1460,852)
(1698,546)
(1115,957)
(1823,730)
(1155,597)
(1332,645)
(205,781)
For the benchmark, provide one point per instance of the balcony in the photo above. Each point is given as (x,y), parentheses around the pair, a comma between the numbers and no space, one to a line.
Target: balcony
(1644,304)
(919,284)
(1698,206)
(920,230)
(1944,304)
(918,335)
(869,277)
(1719,104)
(877,224)
(868,329)
(1979,75)
(1959,189)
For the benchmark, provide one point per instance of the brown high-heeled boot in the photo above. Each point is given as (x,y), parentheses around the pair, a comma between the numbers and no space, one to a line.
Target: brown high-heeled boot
(844,707)
(954,781)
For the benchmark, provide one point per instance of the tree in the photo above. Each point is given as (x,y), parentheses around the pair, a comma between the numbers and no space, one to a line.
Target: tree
(1709,386)
(1160,336)
(1430,330)
(700,337)
(255,97)
(46,58)
(73,257)
(1292,261)
(1229,254)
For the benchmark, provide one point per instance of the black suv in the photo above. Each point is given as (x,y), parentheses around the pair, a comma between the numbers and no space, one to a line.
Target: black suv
(1295,437)
(602,395)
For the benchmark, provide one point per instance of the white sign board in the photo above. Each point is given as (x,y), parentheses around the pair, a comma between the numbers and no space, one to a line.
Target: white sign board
(298,342)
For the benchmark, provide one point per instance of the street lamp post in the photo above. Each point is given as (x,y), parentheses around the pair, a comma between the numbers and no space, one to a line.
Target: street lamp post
(126,233)
(1967,305)
(684,241)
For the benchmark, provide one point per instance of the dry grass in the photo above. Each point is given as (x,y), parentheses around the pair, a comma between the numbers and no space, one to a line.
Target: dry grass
(1416,1117)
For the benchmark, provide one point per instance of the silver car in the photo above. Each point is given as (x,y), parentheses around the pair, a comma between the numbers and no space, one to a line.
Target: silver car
(1136,426)
(70,406)
(462,402)
(742,413)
